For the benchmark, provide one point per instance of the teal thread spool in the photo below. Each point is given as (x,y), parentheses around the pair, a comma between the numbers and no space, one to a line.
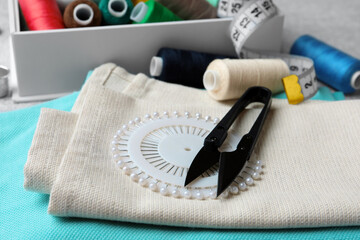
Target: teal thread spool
(151,11)
(333,67)
(116,12)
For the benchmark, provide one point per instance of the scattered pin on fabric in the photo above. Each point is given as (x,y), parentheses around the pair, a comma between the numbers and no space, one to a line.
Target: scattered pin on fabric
(302,83)
(190,9)
(82,13)
(157,151)
(152,11)
(181,66)
(333,67)
(229,78)
(116,11)
(41,14)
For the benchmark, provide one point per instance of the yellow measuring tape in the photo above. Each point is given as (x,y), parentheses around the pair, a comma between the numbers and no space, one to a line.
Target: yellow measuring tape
(248,16)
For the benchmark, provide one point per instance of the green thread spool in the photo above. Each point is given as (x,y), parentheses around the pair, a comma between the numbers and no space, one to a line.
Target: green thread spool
(116,12)
(151,11)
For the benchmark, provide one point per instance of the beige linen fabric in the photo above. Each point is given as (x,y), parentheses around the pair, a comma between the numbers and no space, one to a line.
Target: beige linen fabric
(310,151)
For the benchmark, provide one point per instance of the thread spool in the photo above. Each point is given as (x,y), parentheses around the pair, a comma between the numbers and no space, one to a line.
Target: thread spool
(4,83)
(333,67)
(229,78)
(82,13)
(190,9)
(41,14)
(151,11)
(116,11)
(181,66)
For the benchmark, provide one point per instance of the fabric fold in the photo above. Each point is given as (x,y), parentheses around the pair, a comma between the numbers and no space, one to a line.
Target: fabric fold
(310,179)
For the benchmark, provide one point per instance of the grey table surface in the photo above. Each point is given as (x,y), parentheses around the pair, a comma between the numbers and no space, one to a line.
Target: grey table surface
(333,21)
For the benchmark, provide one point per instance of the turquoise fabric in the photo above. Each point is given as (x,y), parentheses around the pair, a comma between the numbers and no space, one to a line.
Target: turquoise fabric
(23,215)
(324,93)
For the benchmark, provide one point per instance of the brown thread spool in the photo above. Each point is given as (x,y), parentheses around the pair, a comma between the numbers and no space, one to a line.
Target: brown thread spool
(229,78)
(82,13)
(190,9)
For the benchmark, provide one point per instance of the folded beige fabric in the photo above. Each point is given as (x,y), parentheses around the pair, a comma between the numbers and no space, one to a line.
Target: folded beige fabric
(310,152)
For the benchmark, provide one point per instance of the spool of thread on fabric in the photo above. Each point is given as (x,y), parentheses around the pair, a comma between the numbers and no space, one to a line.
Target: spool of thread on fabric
(152,11)
(229,78)
(333,67)
(41,14)
(181,66)
(116,11)
(82,13)
(190,9)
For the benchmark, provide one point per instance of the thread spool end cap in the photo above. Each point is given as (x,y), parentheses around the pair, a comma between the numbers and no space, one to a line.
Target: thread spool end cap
(355,80)
(83,14)
(211,80)
(156,66)
(117,8)
(139,12)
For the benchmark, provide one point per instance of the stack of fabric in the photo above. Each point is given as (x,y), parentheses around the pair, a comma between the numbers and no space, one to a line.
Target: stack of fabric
(310,181)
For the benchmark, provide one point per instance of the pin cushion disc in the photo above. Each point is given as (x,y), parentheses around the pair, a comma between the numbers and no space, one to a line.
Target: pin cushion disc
(157,152)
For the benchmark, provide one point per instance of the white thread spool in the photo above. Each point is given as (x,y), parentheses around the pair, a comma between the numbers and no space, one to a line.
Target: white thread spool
(229,78)
(139,12)
(117,8)
(156,66)
(83,14)
(4,84)
(355,80)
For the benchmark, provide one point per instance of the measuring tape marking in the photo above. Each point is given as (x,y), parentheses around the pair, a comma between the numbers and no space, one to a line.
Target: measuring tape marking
(248,16)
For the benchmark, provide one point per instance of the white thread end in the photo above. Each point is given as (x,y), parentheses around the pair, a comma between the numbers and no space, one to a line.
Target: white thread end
(156,66)
(355,80)
(83,14)
(117,8)
(139,12)
(211,80)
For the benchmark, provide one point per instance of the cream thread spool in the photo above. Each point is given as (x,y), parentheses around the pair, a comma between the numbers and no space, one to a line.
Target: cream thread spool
(229,78)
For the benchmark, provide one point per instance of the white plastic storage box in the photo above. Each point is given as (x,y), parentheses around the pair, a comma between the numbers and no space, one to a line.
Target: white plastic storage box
(49,64)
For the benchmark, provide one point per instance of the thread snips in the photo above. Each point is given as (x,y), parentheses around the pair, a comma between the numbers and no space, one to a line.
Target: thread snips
(230,163)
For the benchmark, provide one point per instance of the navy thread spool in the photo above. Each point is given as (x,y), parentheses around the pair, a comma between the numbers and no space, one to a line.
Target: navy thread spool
(181,66)
(333,67)
(116,11)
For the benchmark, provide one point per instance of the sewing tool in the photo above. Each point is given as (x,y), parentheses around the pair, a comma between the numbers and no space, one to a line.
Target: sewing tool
(156,151)
(250,16)
(152,11)
(41,14)
(82,13)
(231,163)
(4,83)
(190,9)
(229,78)
(334,67)
(181,66)
(116,11)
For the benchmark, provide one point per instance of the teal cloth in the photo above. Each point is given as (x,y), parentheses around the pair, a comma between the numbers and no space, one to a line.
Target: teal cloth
(23,215)
(324,93)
